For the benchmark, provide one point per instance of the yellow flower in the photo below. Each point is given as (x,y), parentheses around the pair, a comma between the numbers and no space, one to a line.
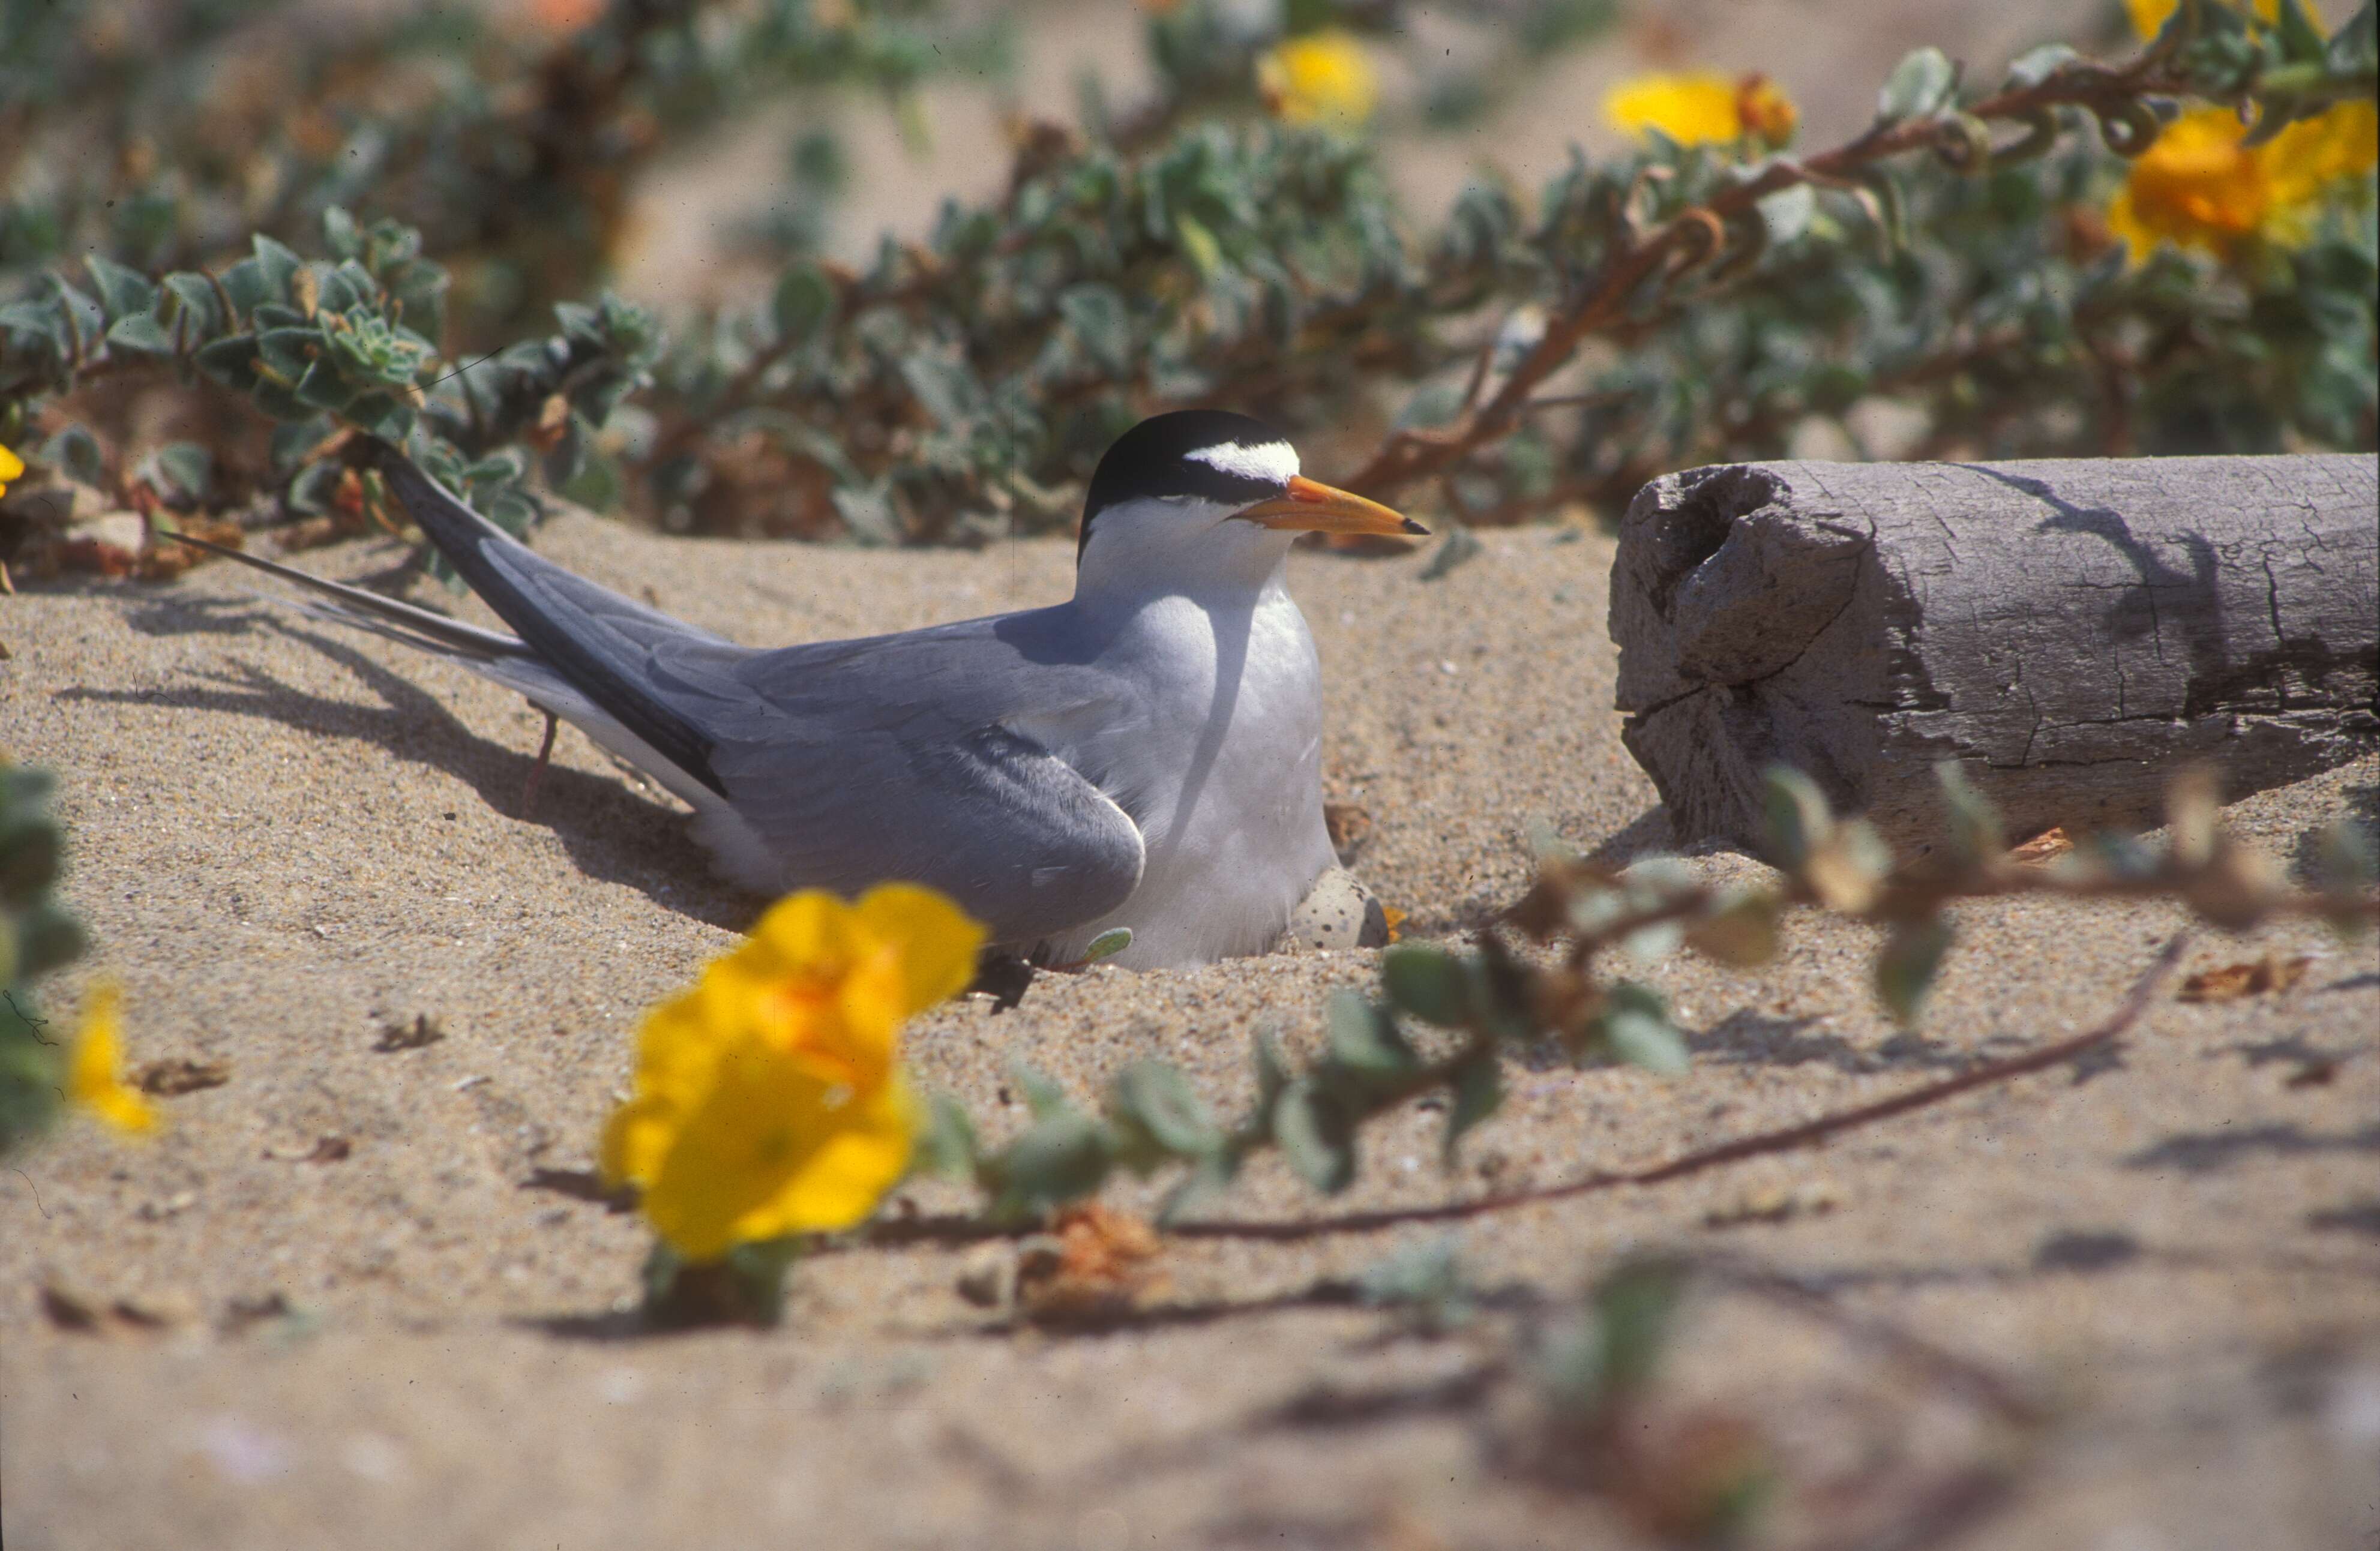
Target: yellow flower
(11,468)
(92,1081)
(2199,188)
(1700,108)
(1322,78)
(2308,159)
(2149,17)
(768,1100)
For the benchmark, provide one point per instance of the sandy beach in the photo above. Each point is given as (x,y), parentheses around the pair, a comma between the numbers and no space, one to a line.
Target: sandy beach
(375,1299)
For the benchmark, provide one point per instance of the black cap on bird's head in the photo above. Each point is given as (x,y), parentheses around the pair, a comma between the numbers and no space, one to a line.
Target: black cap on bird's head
(1214,458)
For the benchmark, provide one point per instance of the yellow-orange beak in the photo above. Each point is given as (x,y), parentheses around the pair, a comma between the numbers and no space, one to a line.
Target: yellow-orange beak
(1313,508)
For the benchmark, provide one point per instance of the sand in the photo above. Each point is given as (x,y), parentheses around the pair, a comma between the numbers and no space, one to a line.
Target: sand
(287,838)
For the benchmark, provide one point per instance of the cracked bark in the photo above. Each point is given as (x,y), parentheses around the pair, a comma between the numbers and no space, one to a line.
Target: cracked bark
(2072,633)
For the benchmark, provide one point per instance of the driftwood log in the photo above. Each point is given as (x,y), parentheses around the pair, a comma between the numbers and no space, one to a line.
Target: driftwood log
(2072,633)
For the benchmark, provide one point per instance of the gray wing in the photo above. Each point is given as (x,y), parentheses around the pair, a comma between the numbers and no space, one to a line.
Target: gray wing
(901,757)
(598,641)
(849,763)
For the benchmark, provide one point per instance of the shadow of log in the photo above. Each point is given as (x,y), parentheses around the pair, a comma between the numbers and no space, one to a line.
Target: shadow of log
(1749,1039)
(2358,1218)
(2205,1152)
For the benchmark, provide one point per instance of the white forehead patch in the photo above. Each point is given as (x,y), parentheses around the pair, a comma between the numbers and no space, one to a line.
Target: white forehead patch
(1273,462)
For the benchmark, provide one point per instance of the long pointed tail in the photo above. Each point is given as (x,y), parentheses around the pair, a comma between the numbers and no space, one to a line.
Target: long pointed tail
(505,659)
(399,621)
(595,639)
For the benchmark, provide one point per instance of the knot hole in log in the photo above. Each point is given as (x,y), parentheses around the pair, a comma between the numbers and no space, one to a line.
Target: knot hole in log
(1739,581)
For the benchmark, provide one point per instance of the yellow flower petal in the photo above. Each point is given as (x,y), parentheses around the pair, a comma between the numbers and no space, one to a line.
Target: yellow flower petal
(1322,78)
(2125,224)
(91,1080)
(809,933)
(2300,163)
(681,1039)
(2195,186)
(771,1151)
(2149,17)
(938,941)
(1698,108)
(849,1173)
(2199,188)
(769,1096)
(636,1138)
(11,468)
(861,1034)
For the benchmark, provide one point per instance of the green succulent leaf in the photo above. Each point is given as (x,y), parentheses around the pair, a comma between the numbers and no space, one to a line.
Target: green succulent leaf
(2036,66)
(188,469)
(312,490)
(1906,967)
(1316,1136)
(1478,1092)
(47,938)
(1976,832)
(1637,1309)
(1042,1093)
(2300,38)
(31,848)
(277,264)
(1799,817)
(948,1146)
(141,333)
(339,230)
(1426,1280)
(802,303)
(76,453)
(1155,1098)
(1636,1030)
(1787,213)
(1102,323)
(1919,85)
(1365,1040)
(1062,1155)
(1428,982)
(123,292)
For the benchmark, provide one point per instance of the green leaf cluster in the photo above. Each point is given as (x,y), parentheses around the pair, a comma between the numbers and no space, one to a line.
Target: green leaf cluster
(956,381)
(1841,865)
(967,383)
(37,936)
(1444,1017)
(1441,1024)
(322,345)
(964,385)
(509,147)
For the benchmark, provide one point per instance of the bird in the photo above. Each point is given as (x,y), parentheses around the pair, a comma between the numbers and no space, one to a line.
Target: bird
(1146,754)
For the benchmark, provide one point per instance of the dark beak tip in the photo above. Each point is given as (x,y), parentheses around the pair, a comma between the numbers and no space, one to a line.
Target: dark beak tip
(1412,526)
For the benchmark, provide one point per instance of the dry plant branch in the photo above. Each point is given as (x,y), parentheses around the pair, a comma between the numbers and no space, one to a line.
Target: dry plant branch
(1694,239)
(1786,1139)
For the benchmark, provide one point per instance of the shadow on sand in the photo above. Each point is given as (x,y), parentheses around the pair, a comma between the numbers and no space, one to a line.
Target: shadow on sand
(610,832)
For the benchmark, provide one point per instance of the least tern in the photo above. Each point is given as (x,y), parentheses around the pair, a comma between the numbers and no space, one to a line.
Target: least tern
(1146,754)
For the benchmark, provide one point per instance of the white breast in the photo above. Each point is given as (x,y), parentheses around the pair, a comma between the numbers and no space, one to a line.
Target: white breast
(1221,763)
